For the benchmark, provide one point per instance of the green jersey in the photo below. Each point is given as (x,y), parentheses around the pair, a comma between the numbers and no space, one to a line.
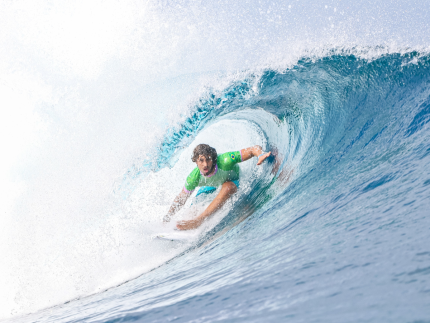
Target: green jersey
(226,169)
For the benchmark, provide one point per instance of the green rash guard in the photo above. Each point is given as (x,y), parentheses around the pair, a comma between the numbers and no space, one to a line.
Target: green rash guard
(226,169)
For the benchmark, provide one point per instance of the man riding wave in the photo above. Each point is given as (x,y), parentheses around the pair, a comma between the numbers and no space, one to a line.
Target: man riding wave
(212,171)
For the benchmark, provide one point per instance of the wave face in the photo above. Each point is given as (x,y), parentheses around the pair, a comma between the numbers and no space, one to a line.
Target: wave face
(335,229)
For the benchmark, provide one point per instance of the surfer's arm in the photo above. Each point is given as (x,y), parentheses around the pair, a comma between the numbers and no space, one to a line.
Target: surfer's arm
(255,151)
(227,190)
(177,204)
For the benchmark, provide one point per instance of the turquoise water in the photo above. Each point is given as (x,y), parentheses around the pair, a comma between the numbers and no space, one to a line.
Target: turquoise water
(335,230)
(102,103)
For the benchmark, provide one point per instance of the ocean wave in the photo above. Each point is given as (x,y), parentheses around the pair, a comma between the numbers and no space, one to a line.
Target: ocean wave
(340,210)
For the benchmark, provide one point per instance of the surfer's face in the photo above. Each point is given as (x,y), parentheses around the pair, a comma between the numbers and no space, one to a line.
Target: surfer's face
(204,164)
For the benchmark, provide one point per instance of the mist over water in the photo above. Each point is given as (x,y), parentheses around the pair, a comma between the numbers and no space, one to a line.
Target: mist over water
(102,102)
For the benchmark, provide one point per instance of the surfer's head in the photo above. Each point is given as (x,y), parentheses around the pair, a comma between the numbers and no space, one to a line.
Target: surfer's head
(205,157)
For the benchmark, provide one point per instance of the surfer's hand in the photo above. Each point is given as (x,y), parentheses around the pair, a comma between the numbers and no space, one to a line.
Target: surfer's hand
(166,218)
(189,225)
(263,157)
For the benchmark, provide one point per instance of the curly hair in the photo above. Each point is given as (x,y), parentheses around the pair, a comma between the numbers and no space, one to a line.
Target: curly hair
(205,150)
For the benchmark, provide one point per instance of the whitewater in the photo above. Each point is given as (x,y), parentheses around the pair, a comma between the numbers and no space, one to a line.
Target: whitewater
(102,103)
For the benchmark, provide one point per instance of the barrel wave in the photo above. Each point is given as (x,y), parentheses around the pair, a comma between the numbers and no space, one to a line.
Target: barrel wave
(335,228)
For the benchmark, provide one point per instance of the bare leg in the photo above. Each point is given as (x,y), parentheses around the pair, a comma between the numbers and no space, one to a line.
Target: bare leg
(227,190)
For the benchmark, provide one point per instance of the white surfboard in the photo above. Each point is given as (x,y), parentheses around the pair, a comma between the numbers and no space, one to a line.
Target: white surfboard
(173,236)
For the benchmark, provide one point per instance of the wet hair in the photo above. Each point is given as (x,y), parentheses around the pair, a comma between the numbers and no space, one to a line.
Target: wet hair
(205,150)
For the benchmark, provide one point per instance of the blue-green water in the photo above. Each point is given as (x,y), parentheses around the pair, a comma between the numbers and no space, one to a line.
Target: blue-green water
(336,229)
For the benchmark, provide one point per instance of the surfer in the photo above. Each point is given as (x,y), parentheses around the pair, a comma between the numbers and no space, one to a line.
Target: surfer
(212,171)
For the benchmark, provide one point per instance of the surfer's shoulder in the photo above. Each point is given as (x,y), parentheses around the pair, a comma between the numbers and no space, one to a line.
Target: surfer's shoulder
(193,180)
(227,160)
(195,174)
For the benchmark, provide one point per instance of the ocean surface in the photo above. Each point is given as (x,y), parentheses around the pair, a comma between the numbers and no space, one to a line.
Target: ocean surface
(334,228)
